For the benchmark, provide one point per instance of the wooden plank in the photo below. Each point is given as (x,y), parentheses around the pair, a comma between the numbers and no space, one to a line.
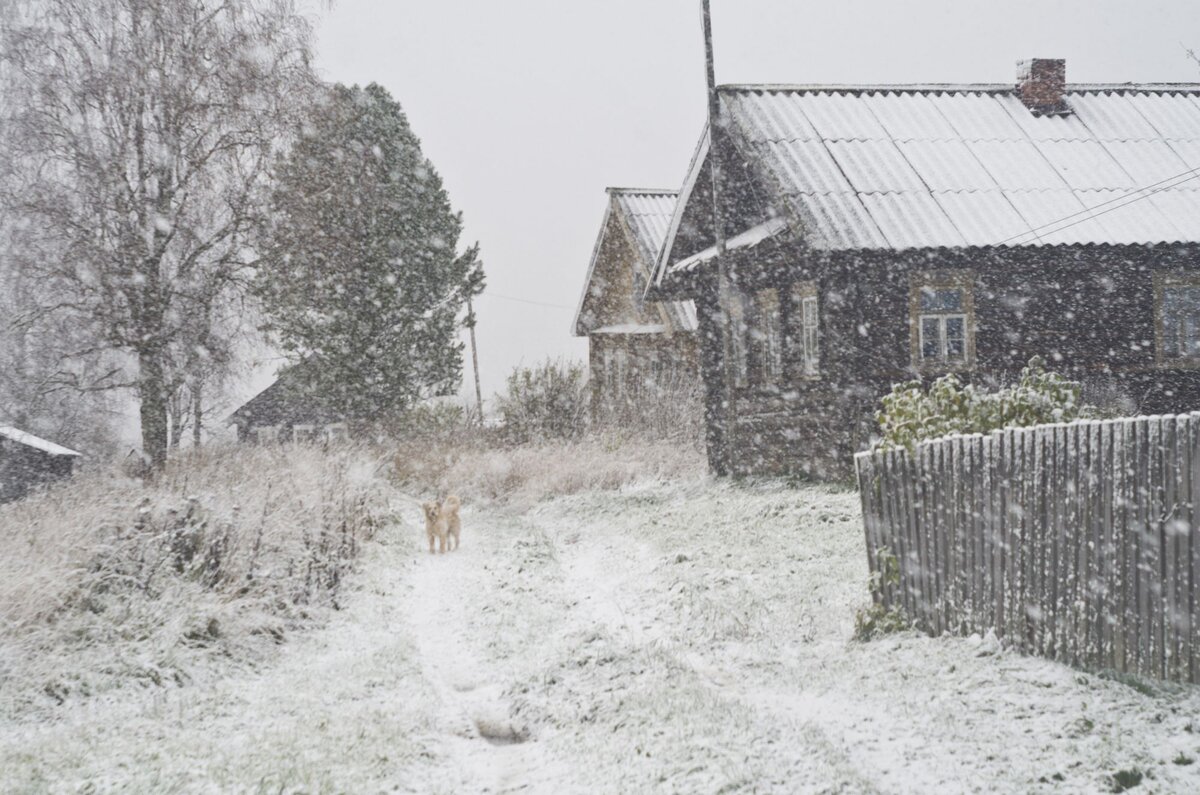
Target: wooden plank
(889,533)
(1101,478)
(962,532)
(1153,549)
(1012,537)
(978,554)
(1144,565)
(1054,531)
(1040,539)
(937,533)
(897,497)
(929,536)
(1109,474)
(913,528)
(866,491)
(1193,545)
(999,535)
(1129,546)
(1176,484)
(1073,537)
(1026,482)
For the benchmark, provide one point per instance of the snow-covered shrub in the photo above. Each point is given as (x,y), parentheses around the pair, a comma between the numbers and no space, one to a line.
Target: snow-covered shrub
(106,581)
(546,402)
(912,414)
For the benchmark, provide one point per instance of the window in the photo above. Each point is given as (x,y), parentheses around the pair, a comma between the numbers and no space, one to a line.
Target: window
(265,434)
(943,311)
(768,333)
(1179,318)
(337,432)
(302,434)
(804,338)
(739,332)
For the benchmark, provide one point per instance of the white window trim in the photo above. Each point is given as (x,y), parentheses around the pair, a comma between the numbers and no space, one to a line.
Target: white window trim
(810,336)
(337,431)
(943,356)
(311,430)
(962,281)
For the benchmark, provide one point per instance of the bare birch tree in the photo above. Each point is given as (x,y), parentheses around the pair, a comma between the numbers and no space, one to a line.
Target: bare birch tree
(140,139)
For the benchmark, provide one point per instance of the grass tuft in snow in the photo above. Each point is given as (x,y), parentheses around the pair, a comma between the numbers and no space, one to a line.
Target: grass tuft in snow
(108,582)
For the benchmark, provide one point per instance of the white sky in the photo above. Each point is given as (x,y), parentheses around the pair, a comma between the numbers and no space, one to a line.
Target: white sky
(530,108)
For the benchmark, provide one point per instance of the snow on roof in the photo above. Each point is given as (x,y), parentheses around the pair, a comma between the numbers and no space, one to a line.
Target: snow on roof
(932,166)
(29,440)
(631,328)
(748,239)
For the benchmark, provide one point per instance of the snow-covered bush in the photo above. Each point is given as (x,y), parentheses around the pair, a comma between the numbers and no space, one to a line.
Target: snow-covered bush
(546,402)
(106,581)
(912,414)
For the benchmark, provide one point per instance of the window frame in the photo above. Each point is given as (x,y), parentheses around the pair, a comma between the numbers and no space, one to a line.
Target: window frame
(805,340)
(768,323)
(960,280)
(1163,281)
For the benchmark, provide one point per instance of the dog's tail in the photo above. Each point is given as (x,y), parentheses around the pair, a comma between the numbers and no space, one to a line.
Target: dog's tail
(451,503)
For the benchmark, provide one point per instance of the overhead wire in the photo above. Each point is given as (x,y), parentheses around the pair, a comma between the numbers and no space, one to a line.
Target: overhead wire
(1090,213)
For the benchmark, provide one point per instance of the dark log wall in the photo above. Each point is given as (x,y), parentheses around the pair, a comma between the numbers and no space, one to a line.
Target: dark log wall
(1089,311)
(23,469)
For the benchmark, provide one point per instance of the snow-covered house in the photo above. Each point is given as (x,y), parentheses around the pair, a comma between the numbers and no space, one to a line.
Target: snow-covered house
(27,461)
(874,234)
(636,348)
(284,413)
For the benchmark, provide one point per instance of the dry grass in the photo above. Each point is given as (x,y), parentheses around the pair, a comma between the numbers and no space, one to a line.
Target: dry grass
(107,581)
(522,476)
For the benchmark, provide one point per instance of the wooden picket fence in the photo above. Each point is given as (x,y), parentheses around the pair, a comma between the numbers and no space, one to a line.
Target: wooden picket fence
(1078,542)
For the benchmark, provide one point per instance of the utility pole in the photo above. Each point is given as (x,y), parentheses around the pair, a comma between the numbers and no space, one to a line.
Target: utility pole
(475,358)
(715,135)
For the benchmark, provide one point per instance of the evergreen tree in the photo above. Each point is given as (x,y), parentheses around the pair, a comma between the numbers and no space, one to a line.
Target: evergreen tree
(361,280)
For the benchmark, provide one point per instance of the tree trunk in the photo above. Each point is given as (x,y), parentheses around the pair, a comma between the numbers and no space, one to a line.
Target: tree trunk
(176,418)
(197,410)
(152,391)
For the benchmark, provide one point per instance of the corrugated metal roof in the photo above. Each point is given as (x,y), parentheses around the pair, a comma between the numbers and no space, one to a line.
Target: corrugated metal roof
(649,216)
(948,166)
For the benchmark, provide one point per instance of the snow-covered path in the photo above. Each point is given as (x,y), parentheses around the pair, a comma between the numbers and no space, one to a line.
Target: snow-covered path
(678,638)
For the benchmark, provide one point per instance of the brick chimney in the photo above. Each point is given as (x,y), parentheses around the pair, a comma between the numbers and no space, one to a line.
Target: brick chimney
(1042,85)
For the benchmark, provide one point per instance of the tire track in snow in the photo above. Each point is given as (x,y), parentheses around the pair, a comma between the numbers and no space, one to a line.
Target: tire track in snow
(446,613)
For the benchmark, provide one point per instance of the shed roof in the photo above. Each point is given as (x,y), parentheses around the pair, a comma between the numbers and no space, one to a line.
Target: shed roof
(29,440)
(933,166)
(647,214)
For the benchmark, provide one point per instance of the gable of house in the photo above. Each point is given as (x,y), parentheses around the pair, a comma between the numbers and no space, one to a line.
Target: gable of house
(894,168)
(635,225)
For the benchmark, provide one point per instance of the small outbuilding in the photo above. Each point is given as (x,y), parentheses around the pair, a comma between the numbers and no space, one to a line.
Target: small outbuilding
(284,413)
(27,461)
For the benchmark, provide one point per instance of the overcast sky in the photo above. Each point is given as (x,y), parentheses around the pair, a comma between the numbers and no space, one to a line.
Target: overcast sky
(530,108)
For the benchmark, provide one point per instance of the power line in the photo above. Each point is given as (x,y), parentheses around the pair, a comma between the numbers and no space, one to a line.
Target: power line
(514,299)
(1091,213)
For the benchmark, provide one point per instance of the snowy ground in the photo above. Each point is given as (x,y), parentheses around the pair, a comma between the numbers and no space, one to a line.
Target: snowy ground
(684,637)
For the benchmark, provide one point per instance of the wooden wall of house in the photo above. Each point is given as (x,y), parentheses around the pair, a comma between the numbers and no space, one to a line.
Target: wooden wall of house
(1089,311)
(23,469)
(677,355)
(614,297)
